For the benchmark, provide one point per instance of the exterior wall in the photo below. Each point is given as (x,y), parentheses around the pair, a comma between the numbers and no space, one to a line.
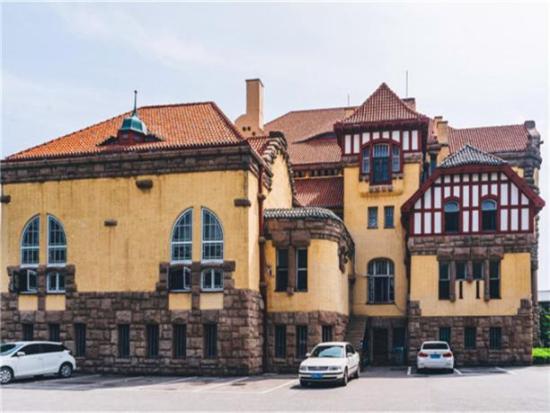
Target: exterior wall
(381,242)
(515,286)
(280,195)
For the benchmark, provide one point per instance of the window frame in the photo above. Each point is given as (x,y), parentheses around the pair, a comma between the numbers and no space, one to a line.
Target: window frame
(495,340)
(29,272)
(80,339)
(470,345)
(301,341)
(27,331)
(185,275)
(33,247)
(52,247)
(301,272)
(495,280)
(389,223)
(366,153)
(152,340)
(326,330)
(445,332)
(58,276)
(458,214)
(213,286)
(444,281)
(372,276)
(483,212)
(183,215)
(280,333)
(281,269)
(123,341)
(204,243)
(210,340)
(179,340)
(372,209)
(54,332)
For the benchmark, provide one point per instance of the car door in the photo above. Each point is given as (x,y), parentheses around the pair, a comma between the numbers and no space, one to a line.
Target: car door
(354,359)
(29,364)
(350,358)
(51,357)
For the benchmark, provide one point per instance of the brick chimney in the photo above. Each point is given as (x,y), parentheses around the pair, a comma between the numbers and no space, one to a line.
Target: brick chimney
(252,122)
(410,102)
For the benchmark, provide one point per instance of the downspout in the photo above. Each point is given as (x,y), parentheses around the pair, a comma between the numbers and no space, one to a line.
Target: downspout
(263,281)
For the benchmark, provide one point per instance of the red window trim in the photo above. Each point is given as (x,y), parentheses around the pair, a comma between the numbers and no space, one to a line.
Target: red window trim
(369,146)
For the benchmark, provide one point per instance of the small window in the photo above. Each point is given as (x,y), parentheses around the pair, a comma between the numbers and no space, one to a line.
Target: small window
(80,339)
(460,270)
(57,243)
(56,282)
(26,280)
(280,341)
(365,163)
(54,334)
(28,332)
(30,243)
(452,212)
(489,215)
(301,269)
(179,279)
(494,279)
(210,341)
(212,280)
(281,279)
(388,217)
(152,335)
(445,334)
(469,338)
(477,267)
(495,338)
(372,218)
(180,340)
(301,341)
(326,333)
(444,281)
(395,159)
(182,238)
(124,341)
(212,237)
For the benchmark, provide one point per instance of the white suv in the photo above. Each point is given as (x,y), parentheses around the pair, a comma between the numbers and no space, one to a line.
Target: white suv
(34,358)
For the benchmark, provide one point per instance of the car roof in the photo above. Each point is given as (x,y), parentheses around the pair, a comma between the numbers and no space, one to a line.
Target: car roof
(20,343)
(435,342)
(333,343)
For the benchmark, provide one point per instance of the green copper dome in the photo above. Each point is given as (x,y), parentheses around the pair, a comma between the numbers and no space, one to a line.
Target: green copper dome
(133,122)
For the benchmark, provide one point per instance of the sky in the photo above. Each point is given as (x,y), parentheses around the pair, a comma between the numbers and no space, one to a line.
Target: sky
(66,66)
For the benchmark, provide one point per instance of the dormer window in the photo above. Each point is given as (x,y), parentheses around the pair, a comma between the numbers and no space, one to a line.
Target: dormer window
(489,215)
(380,161)
(452,212)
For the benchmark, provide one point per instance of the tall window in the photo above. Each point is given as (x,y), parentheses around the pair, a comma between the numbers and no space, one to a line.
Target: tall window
(494,279)
(182,238)
(212,279)
(179,340)
(152,336)
(445,334)
(179,279)
(372,217)
(210,340)
(212,237)
(365,165)
(123,341)
(280,341)
(469,338)
(460,270)
(28,332)
(301,341)
(54,333)
(495,338)
(57,243)
(25,280)
(381,280)
(281,278)
(80,339)
(444,281)
(388,217)
(381,164)
(489,215)
(326,333)
(301,269)
(452,212)
(30,243)
(477,267)
(395,159)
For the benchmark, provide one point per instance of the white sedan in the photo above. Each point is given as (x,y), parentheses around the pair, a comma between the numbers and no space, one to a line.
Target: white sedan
(330,362)
(435,355)
(34,358)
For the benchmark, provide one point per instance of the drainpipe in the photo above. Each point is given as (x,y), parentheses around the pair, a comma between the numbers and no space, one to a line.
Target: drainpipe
(261,244)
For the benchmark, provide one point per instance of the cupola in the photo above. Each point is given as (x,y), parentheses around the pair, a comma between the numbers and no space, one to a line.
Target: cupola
(133,123)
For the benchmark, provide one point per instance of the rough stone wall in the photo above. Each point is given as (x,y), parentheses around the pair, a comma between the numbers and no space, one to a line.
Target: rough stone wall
(517,333)
(314,322)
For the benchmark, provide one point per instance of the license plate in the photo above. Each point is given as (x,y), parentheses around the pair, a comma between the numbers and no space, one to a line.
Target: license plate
(435,356)
(316,376)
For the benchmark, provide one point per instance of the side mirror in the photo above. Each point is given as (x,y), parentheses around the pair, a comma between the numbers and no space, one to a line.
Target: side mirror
(308,355)
(20,354)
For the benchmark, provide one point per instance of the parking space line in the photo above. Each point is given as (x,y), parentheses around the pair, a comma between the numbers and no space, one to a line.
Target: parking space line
(457,371)
(279,386)
(168,382)
(215,386)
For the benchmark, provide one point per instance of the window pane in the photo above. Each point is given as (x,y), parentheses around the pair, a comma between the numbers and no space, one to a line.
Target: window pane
(396,159)
(210,340)
(388,217)
(372,217)
(460,270)
(495,338)
(445,334)
(327,333)
(124,341)
(152,331)
(57,243)
(478,270)
(80,339)
(281,281)
(366,161)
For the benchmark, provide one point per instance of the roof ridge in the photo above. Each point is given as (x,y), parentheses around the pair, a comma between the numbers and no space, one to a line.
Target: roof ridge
(311,110)
(487,127)
(459,157)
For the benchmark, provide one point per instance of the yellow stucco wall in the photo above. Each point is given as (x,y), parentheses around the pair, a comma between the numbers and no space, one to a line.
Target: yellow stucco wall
(126,257)
(280,195)
(179,301)
(55,302)
(211,301)
(381,242)
(27,303)
(327,285)
(515,285)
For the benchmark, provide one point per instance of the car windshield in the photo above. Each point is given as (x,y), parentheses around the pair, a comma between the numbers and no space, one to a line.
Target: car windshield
(6,348)
(435,346)
(328,351)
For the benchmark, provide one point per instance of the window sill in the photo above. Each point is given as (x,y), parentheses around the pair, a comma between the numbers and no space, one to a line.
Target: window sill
(372,227)
(180,291)
(382,303)
(217,290)
(55,292)
(28,292)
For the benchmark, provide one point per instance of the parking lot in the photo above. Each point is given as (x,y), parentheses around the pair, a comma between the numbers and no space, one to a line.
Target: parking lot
(466,389)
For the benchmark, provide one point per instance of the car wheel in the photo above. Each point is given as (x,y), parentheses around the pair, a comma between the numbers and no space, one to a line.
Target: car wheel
(345,379)
(66,370)
(356,375)
(6,375)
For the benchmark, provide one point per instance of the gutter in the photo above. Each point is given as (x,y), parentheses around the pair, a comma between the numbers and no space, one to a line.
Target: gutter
(263,282)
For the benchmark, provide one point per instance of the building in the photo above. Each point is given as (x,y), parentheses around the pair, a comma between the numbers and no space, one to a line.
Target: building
(172,240)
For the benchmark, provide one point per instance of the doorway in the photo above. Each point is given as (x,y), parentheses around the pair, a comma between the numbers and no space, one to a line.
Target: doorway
(380,346)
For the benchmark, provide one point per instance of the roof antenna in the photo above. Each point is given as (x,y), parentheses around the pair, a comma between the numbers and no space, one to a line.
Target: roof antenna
(406,83)
(135,103)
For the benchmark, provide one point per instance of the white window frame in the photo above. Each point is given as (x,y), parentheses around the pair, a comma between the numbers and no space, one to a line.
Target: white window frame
(212,286)
(55,247)
(190,242)
(57,289)
(29,248)
(211,242)
(298,268)
(28,290)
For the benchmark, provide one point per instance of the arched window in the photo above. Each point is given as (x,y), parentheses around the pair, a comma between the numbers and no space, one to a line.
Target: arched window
(489,215)
(212,237)
(57,243)
(182,238)
(30,243)
(452,212)
(380,281)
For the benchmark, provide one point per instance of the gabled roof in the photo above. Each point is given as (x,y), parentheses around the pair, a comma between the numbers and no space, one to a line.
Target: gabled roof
(326,192)
(178,126)
(383,105)
(315,151)
(469,155)
(506,138)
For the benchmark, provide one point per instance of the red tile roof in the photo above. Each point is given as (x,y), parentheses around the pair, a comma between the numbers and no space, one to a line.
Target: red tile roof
(258,143)
(509,138)
(315,151)
(178,126)
(327,192)
(383,105)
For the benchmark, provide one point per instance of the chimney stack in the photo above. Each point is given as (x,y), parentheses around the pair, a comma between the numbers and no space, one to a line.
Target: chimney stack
(252,122)
(410,102)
